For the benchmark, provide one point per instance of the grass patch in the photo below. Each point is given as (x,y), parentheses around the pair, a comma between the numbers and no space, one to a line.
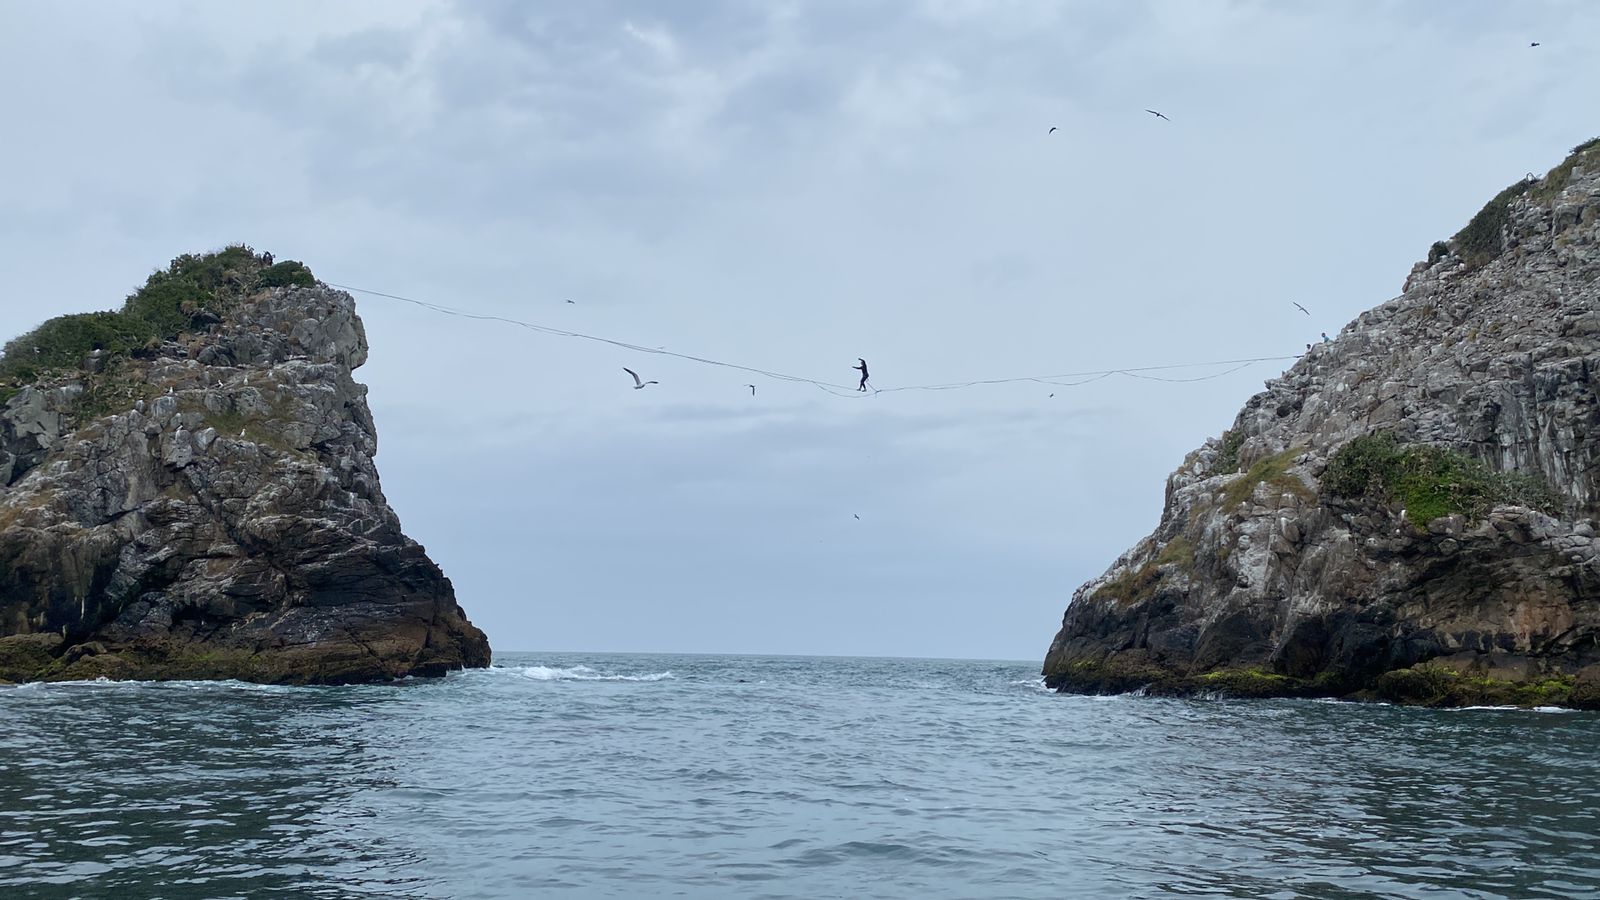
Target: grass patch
(1556,179)
(1273,471)
(1179,550)
(191,291)
(1480,242)
(1428,482)
(1131,587)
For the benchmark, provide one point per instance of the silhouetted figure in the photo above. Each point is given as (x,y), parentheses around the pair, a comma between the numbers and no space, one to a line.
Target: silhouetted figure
(863,369)
(266,259)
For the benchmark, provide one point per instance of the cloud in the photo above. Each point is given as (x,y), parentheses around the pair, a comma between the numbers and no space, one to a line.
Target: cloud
(787,186)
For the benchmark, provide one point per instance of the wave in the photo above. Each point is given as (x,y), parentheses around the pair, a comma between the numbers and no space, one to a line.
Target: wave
(577,673)
(218,684)
(1535,709)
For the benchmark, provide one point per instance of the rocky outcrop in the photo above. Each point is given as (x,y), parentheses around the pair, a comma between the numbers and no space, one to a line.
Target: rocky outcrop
(208,507)
(1286,561)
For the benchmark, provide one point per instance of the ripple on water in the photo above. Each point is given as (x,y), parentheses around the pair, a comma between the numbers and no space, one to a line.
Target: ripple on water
(596,775)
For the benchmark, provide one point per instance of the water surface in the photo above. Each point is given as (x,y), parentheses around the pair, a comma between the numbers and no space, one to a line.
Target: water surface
(589,775)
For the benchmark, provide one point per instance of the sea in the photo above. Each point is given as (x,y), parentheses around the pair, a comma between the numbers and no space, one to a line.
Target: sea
(600,775)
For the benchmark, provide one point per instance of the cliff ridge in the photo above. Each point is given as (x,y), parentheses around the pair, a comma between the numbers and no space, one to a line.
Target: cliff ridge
(1407,513)
(187,490)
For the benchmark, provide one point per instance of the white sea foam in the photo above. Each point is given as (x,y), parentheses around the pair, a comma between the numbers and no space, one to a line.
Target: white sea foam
(1537,709)
(191,685)
(579,673)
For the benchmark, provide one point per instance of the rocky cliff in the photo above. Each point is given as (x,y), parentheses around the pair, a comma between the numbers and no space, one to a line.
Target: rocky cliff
(1408,512)
(187,490)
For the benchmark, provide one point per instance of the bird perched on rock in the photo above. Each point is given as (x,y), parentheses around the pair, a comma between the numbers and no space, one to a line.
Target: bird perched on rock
(637,384)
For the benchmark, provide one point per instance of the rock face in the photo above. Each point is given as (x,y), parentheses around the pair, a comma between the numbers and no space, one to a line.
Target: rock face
(1262,579)
(212,511)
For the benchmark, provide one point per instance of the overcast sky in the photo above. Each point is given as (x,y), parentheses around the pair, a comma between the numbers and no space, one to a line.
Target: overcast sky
(788,186)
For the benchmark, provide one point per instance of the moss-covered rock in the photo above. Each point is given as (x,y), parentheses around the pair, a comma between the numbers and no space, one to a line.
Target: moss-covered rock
(1434,684)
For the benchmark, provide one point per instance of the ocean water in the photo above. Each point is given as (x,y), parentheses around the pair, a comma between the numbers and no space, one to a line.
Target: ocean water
(588,775)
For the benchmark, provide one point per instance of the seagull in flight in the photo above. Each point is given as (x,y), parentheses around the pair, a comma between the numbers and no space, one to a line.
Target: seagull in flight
(858,518)
(1156,114)
(1301,308)
(752,389)
(1534,44)
(572,301)
(637,384)
(1052,130)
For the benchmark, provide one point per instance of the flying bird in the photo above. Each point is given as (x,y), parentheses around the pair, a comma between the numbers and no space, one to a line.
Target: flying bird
(1156,114)
(1052,130)
(1534,44)
(752,389)
(637,384)
(1301,308)
(857,517)
(572,301)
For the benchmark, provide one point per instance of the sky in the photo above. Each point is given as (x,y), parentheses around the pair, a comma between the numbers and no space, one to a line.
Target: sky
(787,186)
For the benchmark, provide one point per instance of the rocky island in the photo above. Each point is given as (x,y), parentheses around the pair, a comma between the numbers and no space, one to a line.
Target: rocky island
(187,490)
(1408,513)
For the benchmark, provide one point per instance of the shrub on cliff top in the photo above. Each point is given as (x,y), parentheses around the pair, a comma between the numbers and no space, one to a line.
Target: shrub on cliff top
(1479,242)
(1427,482)
(289,272)
(1556,179)
(166,305)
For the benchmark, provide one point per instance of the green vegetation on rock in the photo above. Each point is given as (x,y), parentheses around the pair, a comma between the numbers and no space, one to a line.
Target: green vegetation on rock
(1432,684)
(1427,482)
(1137,585)
(193,290)
(1227,459)
(1480,242)
(1557,178)
(1273,471)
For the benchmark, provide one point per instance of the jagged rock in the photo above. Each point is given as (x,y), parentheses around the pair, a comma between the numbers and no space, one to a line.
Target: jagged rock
(224,520)
(1283,587)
